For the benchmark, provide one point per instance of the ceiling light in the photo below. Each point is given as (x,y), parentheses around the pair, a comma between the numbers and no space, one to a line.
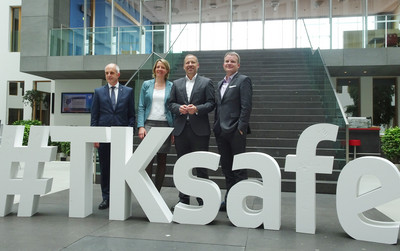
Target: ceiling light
(275,4)
(318,3)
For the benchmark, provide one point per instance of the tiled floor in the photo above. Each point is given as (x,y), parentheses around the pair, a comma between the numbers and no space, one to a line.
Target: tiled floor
(52,229)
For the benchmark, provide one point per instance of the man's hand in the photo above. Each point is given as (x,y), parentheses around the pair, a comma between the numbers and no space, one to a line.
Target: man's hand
(192,109)
(183,109)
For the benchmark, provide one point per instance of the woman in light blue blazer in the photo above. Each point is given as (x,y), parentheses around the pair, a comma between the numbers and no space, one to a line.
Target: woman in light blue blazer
(153,112)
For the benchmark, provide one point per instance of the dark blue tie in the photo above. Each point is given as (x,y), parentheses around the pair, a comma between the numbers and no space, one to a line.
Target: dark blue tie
(113,97)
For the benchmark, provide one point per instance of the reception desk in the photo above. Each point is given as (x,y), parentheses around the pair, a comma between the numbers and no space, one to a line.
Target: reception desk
(370,141)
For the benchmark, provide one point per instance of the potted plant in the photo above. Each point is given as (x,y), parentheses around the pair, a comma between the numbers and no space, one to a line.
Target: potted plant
(27,124)
(33,98)
(391,144)
(65,148)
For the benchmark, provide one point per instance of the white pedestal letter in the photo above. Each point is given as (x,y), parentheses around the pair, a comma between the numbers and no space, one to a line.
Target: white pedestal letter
(205,189)
(128,171)
(32,184)
(269,190)
(350,206)
(81,168)
(306,164)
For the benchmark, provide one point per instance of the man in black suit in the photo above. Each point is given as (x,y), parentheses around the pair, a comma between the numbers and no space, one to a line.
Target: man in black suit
(191,99)
(232,115)
(113,105)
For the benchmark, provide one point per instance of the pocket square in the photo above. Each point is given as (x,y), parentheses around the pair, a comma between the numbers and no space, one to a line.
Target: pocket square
(232,86)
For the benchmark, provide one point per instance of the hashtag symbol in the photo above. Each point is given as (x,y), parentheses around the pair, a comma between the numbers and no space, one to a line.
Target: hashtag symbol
(32,184)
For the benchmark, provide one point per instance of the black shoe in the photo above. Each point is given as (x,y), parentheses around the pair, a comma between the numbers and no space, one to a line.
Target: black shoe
(104,204)
(222,207)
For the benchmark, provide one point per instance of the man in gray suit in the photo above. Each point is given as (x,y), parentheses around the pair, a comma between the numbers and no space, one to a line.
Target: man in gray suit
(232,115)
(113,105)
(191,99)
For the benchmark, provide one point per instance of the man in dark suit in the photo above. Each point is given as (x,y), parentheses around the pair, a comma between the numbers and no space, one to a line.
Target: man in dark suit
(191,99)
(232,115)
(113,105)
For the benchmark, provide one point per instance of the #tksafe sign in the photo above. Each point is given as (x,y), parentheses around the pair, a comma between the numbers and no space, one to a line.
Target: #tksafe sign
(128,176)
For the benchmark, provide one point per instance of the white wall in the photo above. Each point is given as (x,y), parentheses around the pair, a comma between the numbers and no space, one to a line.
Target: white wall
(10,64)
(72,85)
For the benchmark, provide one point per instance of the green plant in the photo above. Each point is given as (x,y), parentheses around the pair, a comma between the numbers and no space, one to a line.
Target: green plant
(27,124)
(65,147)
(383,108)
(33,98)
(391,144)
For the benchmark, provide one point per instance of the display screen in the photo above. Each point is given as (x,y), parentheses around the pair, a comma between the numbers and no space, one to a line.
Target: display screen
(76,102)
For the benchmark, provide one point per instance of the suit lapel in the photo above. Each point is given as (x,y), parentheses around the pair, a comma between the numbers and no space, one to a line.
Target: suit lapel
(232,83)
(195,87)
(107,94)
(219,91)
(183,90)
(120,93)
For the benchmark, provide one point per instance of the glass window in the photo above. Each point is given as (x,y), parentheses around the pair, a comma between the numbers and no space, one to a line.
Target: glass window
(22,86)
(15,28)
(215,20)
(279,28)
(14,115)
(13,88)
(316,19)
(384,101)
(348,92)
(246,25)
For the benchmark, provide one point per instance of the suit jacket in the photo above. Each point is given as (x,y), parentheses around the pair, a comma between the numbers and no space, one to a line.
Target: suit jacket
(146,99)
(234,109)
(202,97)
(102,113)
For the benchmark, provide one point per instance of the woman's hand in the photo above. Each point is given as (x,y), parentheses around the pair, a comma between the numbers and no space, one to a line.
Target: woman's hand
(142,132)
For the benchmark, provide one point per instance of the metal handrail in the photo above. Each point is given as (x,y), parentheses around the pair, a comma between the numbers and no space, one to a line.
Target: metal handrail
(308,36)
(155,53)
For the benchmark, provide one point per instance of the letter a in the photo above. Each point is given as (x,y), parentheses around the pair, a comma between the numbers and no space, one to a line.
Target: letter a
(269,190)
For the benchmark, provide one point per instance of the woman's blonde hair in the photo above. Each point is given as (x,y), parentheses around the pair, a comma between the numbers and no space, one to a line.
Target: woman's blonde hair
(165,63)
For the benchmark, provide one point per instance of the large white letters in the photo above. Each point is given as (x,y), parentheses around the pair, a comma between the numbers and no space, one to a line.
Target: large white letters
(306,164)
(269,191)
(350,205)
(81,169)
(128,171)
(32,184)
(202,188)
(128,176)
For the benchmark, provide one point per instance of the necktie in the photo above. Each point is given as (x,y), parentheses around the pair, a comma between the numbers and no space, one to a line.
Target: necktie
(113,101)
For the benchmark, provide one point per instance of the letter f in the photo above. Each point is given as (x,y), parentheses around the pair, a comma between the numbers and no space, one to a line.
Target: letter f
(306,164)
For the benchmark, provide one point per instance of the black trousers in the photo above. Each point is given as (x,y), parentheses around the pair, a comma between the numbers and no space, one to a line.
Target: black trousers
(104,159)
(230,144)
(188,142)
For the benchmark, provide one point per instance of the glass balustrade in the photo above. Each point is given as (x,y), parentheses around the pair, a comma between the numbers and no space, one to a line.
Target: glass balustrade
(107,40)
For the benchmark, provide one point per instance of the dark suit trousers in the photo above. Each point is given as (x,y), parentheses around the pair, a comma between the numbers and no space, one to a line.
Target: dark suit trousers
(188,142)
(104,159)
(230,144)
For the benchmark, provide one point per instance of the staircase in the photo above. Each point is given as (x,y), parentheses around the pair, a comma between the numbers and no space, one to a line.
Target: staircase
(291,92)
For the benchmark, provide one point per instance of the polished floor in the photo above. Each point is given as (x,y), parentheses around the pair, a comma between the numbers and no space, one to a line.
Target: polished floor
(52,229)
